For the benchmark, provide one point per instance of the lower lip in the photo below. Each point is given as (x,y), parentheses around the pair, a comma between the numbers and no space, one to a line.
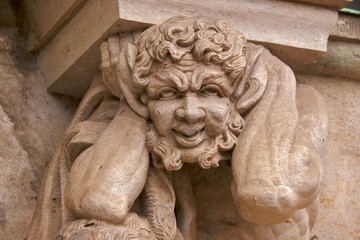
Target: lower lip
(191,141)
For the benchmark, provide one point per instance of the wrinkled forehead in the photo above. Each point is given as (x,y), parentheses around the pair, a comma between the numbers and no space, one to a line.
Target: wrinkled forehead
(188,75)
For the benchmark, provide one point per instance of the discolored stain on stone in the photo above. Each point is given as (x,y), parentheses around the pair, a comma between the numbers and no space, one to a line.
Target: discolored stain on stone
(2,216)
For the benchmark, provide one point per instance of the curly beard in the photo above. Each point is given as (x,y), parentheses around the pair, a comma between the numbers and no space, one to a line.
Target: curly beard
(164,154)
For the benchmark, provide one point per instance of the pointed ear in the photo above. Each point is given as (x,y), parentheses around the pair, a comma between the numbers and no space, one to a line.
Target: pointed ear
(253,84)
(127,58)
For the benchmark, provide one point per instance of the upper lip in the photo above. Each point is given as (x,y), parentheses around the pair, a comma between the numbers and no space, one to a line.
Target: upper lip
(189,130)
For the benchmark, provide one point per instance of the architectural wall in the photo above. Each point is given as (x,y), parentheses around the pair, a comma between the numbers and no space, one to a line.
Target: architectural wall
(340,195)
(32,121)
(336,76)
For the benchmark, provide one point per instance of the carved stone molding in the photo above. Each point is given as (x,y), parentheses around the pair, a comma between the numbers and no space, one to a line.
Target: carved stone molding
(295,31)
(342,58)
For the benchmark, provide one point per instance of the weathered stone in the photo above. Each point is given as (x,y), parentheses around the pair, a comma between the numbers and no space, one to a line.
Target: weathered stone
(7,18)
(69,62)
(178,109)
(73,56)
(31,123)
(339,215)
(18,196)
(329,3)
(342,59)
(46,18)
(347,28)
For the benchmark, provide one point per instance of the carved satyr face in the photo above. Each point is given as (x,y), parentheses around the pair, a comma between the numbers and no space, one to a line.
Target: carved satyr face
(190,107)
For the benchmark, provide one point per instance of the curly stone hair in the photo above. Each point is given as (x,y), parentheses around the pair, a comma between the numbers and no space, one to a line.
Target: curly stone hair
(208,41)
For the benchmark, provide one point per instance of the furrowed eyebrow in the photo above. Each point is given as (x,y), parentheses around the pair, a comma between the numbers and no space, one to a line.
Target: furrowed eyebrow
(167,78)
(207,76)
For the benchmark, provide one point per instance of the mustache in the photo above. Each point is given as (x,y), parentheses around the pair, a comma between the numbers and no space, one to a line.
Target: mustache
(188,129)
(164,154)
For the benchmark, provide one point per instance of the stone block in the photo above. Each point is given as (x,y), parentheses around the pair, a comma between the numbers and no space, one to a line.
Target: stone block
(329,3)
(46,17)
(341,60)
(347,28)
(295,32)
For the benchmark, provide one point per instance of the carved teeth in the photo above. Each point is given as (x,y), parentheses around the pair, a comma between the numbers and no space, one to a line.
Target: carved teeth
(189,130)
(190,137)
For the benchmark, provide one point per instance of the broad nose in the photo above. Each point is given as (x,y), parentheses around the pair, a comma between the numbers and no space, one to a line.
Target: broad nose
(189,111)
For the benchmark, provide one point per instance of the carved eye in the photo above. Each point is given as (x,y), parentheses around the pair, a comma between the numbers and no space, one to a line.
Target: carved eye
(167,93)
(211,90)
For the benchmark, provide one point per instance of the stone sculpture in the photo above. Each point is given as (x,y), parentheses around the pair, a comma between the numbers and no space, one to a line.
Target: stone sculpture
(190,132)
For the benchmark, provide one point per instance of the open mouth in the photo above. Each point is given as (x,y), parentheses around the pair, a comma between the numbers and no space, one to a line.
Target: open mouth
(189,136)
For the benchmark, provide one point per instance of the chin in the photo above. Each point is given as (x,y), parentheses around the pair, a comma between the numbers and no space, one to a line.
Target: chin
(170,153)
(166,152)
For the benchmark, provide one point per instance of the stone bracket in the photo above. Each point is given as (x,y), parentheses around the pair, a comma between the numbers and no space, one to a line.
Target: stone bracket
(294,31)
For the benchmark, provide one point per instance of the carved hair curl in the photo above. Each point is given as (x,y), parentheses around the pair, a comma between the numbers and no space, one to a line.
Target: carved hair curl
(208,42)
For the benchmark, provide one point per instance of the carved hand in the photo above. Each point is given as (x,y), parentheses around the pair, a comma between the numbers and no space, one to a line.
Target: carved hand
(110,51)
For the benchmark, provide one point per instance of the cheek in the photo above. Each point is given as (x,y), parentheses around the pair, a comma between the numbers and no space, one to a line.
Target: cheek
(217,114)
(162,115)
